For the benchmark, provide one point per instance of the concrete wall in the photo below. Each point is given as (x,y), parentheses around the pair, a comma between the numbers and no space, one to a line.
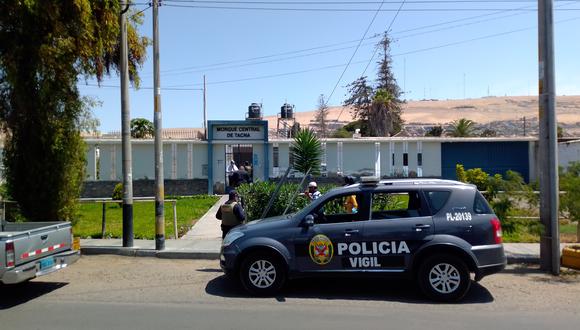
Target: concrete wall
(146,188)
(568,152)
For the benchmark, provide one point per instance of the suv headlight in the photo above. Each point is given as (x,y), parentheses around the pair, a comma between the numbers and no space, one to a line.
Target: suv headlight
(231,237)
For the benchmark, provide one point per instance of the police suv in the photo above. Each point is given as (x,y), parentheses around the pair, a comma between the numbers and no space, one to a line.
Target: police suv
(435,231)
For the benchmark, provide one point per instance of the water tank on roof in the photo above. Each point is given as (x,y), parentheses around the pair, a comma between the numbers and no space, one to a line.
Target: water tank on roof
(255,111)
(287,111)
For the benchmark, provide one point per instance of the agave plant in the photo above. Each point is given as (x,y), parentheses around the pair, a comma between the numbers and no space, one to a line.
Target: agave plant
(307,152)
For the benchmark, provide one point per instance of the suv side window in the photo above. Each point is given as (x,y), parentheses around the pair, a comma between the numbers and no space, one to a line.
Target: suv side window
(437,199)
(344,208)
(394,205)
(480,205)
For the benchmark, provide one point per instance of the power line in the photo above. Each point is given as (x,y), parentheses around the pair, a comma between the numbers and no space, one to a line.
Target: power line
(354,53)
(183,87)
(184,70)
(148,88)
(288,9)
(355,2)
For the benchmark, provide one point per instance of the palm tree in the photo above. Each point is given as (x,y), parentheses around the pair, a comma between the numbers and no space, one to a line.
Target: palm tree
(385,115)
(462,128)
(141,128)
(307,152)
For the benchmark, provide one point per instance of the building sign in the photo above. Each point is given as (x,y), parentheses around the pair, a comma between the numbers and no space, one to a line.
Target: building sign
(238,132)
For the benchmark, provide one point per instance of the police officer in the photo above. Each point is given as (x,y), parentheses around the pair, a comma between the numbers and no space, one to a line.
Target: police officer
(231,213)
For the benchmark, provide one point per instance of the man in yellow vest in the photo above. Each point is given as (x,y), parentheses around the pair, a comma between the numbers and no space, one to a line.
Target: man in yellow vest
(231,213)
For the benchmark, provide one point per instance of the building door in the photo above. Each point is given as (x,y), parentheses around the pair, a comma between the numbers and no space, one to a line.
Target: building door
(240,154)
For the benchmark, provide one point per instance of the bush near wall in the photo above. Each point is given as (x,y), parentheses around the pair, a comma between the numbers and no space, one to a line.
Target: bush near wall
(256,196)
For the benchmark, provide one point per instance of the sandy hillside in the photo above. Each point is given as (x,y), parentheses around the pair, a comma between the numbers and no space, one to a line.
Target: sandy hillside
(482,110)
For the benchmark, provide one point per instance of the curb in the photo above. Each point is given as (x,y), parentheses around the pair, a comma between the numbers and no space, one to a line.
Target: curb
(136,252)
(523,259)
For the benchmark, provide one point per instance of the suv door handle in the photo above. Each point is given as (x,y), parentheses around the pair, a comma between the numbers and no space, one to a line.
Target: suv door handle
(349,232)
(44,237)
(420,227)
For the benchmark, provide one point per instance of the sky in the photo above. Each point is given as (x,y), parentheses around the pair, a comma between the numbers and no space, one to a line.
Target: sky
(296,50)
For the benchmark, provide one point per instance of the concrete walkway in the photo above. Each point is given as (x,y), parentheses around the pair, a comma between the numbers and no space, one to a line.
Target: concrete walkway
(208,226)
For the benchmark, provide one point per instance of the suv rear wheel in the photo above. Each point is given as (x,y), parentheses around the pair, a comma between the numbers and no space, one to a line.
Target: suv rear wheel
(444,277)
(262,274)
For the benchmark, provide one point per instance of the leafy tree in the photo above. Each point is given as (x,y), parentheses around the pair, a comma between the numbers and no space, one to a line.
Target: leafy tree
(462,128)
(560,132)
(379,106)
(478,177)
(307,152)
(341,133)
(321,117)
(435,131)
(360,98)
(45,46)
(142,128)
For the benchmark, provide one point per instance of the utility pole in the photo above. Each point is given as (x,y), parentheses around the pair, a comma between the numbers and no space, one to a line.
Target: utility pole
(548,157)
(524,120)
(126,134)
(204,111)
(160,190)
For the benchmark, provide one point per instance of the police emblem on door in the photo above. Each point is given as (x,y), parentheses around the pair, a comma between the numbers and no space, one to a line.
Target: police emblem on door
(321,249)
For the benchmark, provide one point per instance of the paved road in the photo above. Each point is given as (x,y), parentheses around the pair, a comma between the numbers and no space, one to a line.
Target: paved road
(111,292)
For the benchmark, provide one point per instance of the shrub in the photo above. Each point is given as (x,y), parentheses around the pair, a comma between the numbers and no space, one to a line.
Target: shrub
(460,173)
(118,193)
(255,198)
(477,177)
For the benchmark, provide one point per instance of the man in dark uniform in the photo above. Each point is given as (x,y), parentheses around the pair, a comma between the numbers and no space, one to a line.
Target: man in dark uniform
(231,213)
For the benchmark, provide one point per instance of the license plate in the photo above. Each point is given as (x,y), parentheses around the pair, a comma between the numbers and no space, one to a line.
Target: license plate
(46,263)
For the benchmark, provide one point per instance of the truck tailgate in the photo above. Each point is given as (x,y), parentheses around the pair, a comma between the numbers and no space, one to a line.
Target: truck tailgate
(42,242)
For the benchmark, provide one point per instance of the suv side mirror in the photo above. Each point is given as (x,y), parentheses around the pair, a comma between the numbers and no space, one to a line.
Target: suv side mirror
(308,221)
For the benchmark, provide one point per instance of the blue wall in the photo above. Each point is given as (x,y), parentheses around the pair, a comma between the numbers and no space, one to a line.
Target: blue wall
(493,157)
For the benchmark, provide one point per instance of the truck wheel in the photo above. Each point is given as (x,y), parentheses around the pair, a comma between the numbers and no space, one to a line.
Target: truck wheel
(262,274)
(444,277)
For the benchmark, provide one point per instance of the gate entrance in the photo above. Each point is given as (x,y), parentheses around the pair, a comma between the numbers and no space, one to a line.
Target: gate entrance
(242,155)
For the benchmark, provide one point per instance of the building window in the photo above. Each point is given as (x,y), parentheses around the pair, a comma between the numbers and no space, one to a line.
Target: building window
(420,159)
(276,157)
(393,158)
(291,156)
(405,159)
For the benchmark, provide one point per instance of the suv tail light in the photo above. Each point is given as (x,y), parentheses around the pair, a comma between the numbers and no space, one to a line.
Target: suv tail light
(496,228)
(10,254)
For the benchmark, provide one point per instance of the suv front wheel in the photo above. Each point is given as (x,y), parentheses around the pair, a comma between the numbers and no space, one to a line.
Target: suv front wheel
(444,277)
(262,274)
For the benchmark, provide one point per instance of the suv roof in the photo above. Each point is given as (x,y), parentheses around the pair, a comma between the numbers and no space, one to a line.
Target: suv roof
(409,181)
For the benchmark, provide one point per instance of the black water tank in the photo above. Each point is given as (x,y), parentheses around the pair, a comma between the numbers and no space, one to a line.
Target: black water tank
(286,111)
(255,111)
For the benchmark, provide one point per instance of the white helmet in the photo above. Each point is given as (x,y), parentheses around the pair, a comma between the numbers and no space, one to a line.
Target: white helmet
(312,185)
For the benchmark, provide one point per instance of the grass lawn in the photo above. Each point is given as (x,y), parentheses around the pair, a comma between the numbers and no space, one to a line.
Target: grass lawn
(189,210)
(530,234)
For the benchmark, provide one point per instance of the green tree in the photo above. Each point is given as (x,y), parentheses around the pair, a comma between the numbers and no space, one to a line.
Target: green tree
(307,152)
(45,46)
(360,99)
(141,128)
(477,177)
(462,128)
(435,131)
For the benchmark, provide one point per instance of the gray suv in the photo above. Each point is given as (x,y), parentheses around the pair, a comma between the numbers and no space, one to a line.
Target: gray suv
(435,231)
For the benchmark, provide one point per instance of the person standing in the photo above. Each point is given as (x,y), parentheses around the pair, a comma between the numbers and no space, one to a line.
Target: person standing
(350,203)
(231,213)
(312,193)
